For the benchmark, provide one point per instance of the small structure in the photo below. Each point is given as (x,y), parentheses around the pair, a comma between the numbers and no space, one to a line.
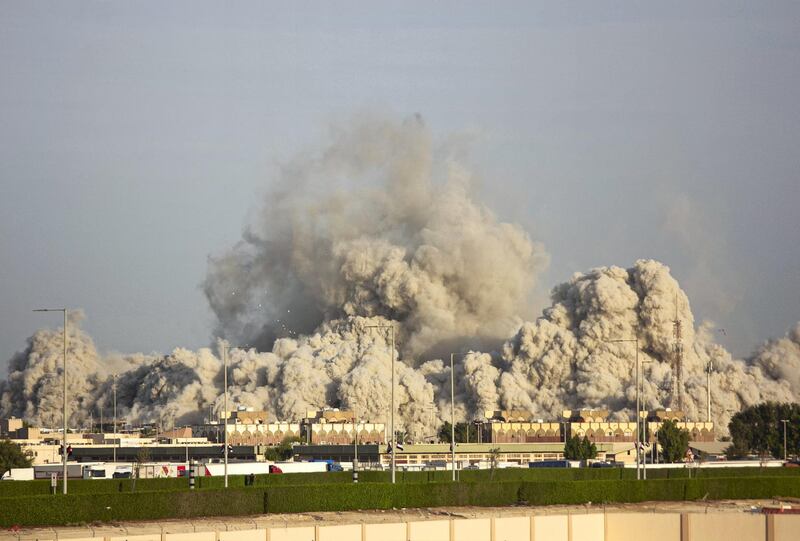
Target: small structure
(516,426)
(340,427)
(594,424)
(699,431)
(9,426)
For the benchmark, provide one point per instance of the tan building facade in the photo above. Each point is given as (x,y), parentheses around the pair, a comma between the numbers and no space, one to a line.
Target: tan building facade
(340,427)
(345,433)
(520,432)
(248,434)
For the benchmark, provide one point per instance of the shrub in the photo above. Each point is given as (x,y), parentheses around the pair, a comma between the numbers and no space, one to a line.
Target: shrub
(81,508)
(84,508)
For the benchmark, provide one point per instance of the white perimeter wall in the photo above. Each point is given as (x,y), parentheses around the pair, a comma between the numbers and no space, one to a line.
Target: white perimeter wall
(613,526)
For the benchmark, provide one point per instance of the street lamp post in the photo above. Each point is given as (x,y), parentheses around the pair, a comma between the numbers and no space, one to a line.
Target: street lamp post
(784,421)
(709,368)
(64,448)
(452,418)
(392,441)
(225,407)
(355,447)
(638,404)
(225,348)
(116,442)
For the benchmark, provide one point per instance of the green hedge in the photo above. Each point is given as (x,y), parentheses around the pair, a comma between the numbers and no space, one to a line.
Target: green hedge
(106,486)
(629,491)
(623,491)
(87,508)
(297,499)
(81,508)
(575,474)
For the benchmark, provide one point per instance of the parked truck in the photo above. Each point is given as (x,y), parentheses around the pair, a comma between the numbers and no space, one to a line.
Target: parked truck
(18,474)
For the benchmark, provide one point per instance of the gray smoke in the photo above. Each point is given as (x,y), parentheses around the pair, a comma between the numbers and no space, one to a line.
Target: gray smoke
(375,226)
(381,229)
(33,389)
(568,358)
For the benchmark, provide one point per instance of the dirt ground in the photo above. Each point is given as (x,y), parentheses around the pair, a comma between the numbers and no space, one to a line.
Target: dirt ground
(377,516)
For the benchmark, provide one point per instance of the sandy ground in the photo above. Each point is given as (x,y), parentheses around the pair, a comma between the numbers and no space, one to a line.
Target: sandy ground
(397,515)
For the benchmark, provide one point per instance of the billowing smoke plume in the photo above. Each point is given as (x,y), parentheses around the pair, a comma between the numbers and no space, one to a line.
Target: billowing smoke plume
(373,226)
(34,387)
(381,231)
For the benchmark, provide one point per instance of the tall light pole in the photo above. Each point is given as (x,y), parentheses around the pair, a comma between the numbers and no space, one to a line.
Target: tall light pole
(392,442)
(225,407)
(116,442)
(784,421)
(65,387)
(225,348)
(709,368)
(638,403)
(452,417)
(355,446)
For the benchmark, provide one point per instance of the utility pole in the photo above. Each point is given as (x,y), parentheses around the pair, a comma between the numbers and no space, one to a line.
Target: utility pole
(116,442)
(678,378)
(225,410)
(452,418)
(65,387)
(709,368)
(784,421)
(392,442)
(355,447)
(637,440)
(225,348)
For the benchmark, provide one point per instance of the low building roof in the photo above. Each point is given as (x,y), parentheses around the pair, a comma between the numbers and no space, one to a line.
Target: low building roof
(709,447)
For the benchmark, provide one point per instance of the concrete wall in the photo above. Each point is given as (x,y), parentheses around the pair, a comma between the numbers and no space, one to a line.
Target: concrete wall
(346,532)
(787,527)
(512,529)
(242,535)
(478,529)
(291,534)
(429,530)
(631,526)
(385,532)
(587,527)
(617,526)
(551,527)
(727,527)
(192,536)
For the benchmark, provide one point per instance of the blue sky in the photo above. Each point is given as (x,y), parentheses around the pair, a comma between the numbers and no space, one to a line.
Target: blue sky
(137,137)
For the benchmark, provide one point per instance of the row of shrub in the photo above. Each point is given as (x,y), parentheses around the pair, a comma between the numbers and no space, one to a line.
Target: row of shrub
(104,486)
(83,508)
(88,508)
(576,474)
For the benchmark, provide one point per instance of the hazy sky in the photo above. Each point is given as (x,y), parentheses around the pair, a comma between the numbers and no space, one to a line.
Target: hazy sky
(135,138)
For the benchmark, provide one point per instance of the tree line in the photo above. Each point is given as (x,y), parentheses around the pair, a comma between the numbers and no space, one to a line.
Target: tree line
(759,430)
